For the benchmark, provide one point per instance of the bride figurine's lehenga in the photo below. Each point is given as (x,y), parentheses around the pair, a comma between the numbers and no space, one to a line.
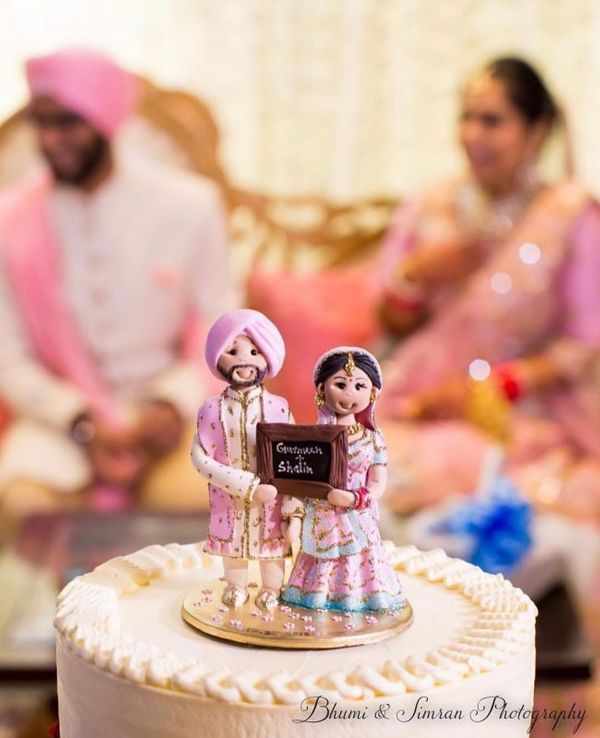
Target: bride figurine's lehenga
(342,564)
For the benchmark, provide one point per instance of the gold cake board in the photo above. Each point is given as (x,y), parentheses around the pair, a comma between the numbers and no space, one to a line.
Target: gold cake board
(287,626)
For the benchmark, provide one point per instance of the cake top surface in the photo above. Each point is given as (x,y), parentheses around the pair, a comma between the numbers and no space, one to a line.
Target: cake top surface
(125,618)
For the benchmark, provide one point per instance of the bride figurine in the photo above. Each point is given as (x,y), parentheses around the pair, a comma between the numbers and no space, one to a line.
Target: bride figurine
(341,564)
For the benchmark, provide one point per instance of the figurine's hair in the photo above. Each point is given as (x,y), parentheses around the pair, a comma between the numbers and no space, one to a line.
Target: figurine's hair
(334,363)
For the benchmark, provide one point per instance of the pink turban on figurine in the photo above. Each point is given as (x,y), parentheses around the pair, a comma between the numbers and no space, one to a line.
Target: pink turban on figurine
(86,82)
(253,324)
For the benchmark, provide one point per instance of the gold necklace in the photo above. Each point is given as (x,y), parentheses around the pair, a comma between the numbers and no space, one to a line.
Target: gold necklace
(354,428)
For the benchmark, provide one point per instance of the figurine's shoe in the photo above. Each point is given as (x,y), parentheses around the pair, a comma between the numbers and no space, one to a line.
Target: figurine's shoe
(267,599)
(234,595)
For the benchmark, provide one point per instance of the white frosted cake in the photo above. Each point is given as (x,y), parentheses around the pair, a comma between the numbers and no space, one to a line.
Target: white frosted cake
(129,667)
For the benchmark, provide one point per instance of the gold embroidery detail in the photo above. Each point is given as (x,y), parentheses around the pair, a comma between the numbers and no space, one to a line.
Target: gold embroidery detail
(244,434)
(246,531)
(355,428)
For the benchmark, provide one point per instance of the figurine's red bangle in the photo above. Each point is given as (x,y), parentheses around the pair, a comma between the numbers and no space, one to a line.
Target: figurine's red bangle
(507,380)
(364,498)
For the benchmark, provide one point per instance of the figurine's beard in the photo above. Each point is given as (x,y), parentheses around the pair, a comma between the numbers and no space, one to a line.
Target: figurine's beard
(257,378)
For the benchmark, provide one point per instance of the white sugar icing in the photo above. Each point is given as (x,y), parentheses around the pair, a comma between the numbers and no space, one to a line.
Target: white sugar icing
(109,618)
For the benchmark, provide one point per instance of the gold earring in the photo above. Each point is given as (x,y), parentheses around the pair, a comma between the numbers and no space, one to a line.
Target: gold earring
(373,394)
(320,398)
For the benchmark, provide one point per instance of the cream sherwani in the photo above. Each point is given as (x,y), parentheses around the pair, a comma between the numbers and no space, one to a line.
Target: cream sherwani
(138,254)
(241,412)
(244,535)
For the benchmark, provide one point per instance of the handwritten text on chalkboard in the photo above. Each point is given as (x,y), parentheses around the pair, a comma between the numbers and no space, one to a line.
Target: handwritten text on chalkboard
(301,460)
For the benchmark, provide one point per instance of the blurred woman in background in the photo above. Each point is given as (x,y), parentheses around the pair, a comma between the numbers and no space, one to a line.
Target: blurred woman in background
(493,281)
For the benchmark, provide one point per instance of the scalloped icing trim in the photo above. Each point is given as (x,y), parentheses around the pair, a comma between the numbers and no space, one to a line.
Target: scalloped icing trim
(87,616)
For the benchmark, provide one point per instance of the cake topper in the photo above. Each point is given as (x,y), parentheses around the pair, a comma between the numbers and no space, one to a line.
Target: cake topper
(342,564)
(243,348)
(318,485)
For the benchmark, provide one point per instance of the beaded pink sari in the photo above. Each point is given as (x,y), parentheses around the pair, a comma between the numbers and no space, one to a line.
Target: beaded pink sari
(537,290)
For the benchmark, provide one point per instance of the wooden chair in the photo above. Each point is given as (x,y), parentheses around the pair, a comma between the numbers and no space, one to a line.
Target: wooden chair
(178,128)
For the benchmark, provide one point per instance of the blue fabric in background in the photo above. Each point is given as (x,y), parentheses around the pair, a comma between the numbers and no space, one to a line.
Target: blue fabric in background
(498,524)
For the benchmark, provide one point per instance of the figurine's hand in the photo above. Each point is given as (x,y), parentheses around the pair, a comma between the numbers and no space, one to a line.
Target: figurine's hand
(264,493)
(340,498)
(292,530)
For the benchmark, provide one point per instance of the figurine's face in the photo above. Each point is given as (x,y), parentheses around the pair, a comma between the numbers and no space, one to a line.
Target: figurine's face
(242,364)
(348,394)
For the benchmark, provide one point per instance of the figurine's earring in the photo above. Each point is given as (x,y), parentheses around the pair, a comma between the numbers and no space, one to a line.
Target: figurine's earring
(320,397)
(373,394)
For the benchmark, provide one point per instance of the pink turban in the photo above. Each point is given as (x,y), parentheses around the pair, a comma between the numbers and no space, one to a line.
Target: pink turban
(86,82)
(253,324)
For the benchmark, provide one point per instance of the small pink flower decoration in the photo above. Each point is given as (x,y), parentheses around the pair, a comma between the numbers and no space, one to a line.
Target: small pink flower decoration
(349,626)
(223,609)
(207,591)
(348,615)
(337,618)
(203,601)
(256,613)
(236,624)
(309,628)
(216,618)
(285,608)
(370,619)
(293,615)
(267,618)
(307,618)
(289,626)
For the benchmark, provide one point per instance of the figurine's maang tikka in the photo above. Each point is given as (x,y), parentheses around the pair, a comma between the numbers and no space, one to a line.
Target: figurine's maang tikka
(349,366)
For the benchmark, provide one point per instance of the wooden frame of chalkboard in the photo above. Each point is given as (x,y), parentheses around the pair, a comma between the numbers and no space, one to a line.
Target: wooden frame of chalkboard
(302,460)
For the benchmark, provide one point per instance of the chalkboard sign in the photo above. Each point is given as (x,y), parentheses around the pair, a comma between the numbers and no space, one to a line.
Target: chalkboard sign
(302,460)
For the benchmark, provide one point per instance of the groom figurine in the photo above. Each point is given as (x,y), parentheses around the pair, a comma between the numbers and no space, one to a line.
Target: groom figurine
(243,348)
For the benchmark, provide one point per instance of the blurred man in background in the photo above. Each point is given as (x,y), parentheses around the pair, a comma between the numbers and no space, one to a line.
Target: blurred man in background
(108,268)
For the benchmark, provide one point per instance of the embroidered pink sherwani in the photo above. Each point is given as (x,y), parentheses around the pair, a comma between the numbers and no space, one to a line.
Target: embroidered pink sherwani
(224,452)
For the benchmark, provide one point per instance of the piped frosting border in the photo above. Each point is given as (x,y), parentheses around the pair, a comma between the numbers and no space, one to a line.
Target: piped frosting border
(87,616)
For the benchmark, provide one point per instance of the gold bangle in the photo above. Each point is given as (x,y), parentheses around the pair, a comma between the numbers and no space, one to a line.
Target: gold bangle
(488,408)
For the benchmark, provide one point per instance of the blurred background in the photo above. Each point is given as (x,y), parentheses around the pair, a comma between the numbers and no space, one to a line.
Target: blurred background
(414,176)
(302,90)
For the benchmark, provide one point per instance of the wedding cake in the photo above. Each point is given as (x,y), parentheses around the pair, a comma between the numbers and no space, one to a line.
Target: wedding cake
(130,667)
